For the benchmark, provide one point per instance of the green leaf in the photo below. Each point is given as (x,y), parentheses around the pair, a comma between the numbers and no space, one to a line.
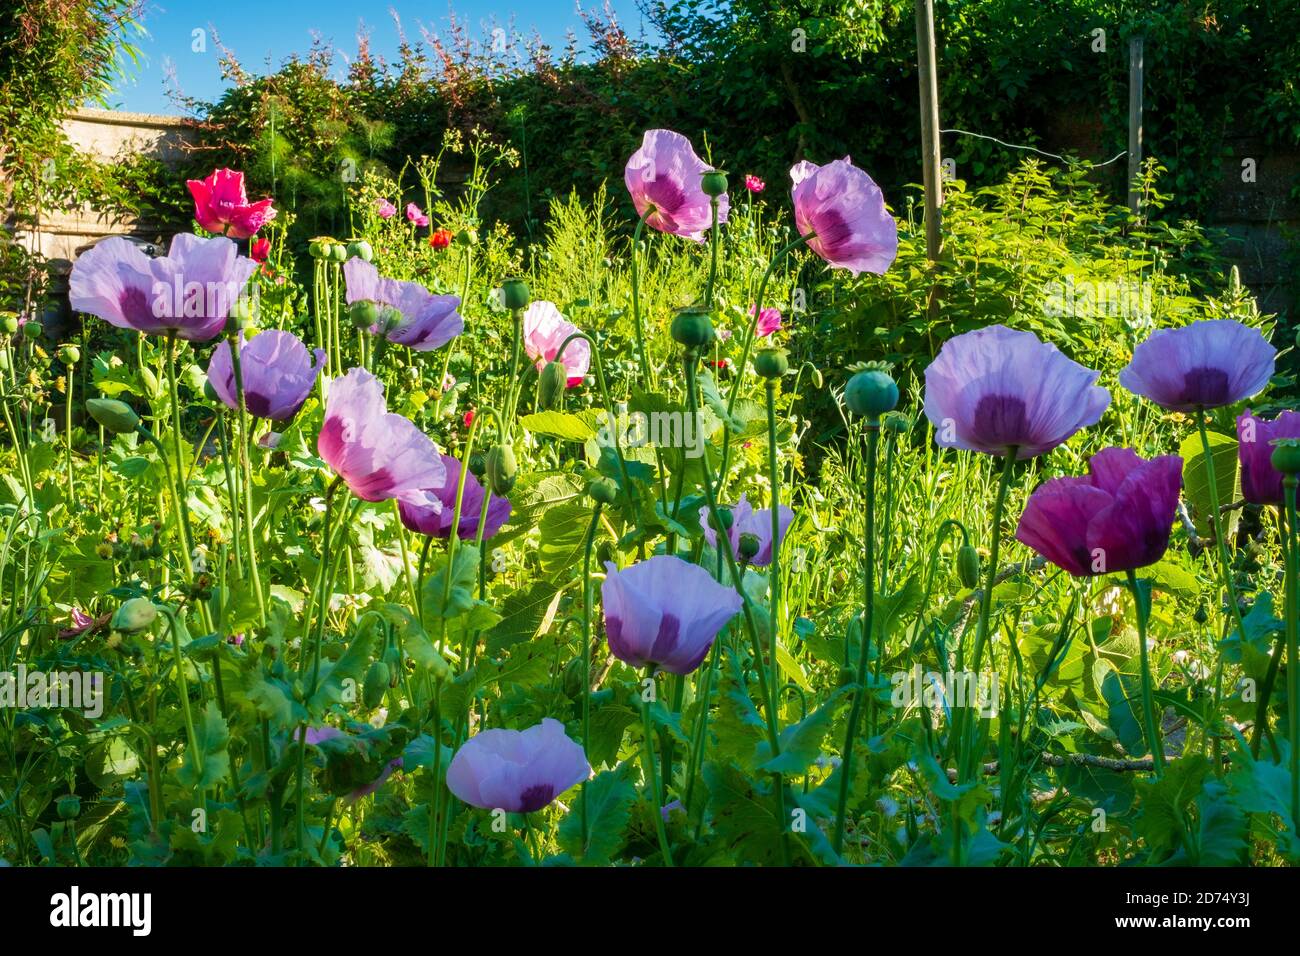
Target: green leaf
(1196,486)
(560,425)
(350,666)
(609,798)
(211,763)
(801,743)
(524,615)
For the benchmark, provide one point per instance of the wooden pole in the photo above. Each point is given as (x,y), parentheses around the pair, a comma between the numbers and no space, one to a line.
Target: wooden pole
(1134,120)
(925,59)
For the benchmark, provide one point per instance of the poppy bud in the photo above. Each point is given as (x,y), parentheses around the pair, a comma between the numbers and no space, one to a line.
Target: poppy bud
(1201,615)
(968,566)
(573,678)
(360,249)
(713,182)
(209,392)
(150,381)
(477,464)
(551,384)
(135,615)
(33,331)
(467,237)
(514,294)
(692,328)
(116,417)
(771,364)
(69,355)
(1286,456)
(603,491)
(724,518)
(363,314)
(68,806)
(376,684)
(749,545)
(871,393)
(501,468)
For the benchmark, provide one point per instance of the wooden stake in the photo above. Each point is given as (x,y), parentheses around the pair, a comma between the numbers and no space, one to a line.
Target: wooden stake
(1134,119)
(932,177)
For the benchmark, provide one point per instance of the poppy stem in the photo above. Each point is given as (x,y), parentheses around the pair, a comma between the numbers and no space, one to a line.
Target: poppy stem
(652,779)
(1292,607)
(1142,598)
(713,254)
(586,654)
(255,576)
(636,300)
(774,567)
(1216,526)
(864,646)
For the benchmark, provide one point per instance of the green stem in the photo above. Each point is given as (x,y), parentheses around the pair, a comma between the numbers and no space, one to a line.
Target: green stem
(586,657)
(774,568)
(1142,598)
(247,472)
(1292,651)
(648,755)
(864,646)
(1225,564)
(646,379)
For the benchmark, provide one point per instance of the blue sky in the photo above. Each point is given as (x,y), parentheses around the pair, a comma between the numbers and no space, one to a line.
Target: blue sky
(262,34)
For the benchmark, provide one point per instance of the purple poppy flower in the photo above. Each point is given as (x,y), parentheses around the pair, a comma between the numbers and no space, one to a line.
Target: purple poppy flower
(431,512)
(277,370)
(745,520)
(315,736)
(1205,364)
(1115,519)
(190,291)
(519,771)
(845,211)
(427,320)
(995,388)
(663,177)
(1261,484)
(378,454)
(664,611)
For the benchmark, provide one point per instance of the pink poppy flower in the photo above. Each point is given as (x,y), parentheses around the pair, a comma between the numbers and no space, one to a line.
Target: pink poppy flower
(416,215)
(385,209)
(545,330)
(221,205)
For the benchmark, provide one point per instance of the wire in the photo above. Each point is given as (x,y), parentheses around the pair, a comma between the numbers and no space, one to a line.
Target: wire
(1031,149)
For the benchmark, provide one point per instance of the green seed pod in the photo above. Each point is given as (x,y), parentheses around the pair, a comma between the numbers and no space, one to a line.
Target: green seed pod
(135,615)
(515,294)
(360,249)
(724,518)
(478,464)
(364,314)
(603,491)
(692,328)
(1286,456)
(69,355)
(467,237)
(33,331)
(68,807)
(9,323)
(870,393)
(968,566)
(338,251)
(319,249)
(896,422)
(116,417)
(552,382)
(749,545)
(572,680)
(501,468)
(771,364)
(375,686)
(713,182)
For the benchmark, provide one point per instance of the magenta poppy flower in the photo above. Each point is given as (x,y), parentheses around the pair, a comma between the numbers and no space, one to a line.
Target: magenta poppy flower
(385,209)
(519,771)
(432,511)
(1206,364)
(664,611)
(221,205)
(545,330)
(260,250)
(663,177)
(277,371)
(1116,519)
(995,388)
(844,210)
(754,184)
(190,291)
(416,215)
(1261,484)
(769,320)
(427,321)
(745,520)
(378,454)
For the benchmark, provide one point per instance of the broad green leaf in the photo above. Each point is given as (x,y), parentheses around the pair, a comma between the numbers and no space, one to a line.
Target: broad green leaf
(1196,486)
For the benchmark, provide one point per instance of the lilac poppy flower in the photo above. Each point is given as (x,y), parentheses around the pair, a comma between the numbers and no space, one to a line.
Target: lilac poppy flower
(315,736)
(745,520)
(432,511)
(663,177)
(1261,484)
(519,771)
(845,211)
(427,320)
(664,611)
(995,388)
(1115,519)
(545,330)
(1205,364)
(277,370)
(378,454)
(190,291)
